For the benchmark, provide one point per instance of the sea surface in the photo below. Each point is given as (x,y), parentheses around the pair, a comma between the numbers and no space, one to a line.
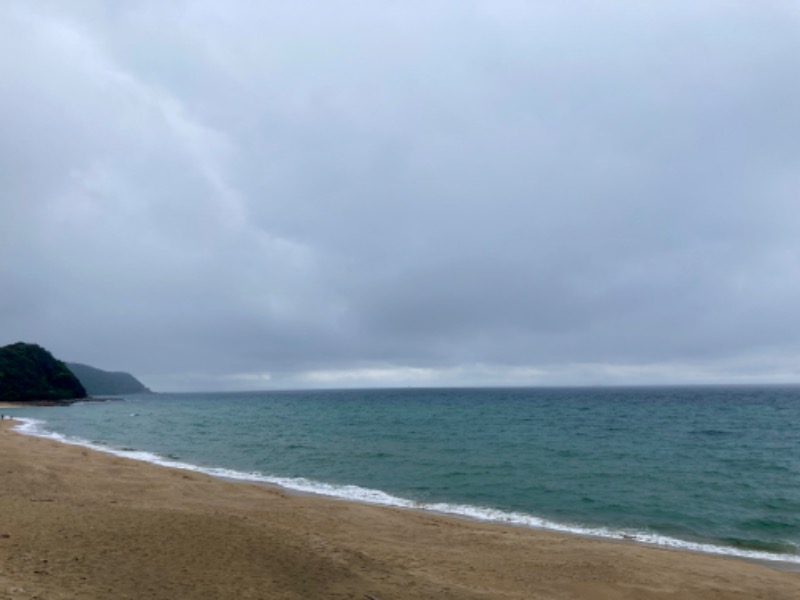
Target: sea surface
(710,469)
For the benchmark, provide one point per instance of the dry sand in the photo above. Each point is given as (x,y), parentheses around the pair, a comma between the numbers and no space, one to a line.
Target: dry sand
(81,524)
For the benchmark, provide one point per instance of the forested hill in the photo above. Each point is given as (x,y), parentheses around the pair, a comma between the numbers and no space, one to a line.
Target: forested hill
(30,373)
(99,382)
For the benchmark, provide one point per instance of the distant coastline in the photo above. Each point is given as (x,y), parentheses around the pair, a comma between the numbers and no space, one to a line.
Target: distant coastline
(68,402)
(31,376)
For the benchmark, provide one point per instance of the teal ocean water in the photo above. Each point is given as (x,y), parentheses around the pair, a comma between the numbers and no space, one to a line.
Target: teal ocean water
(713,469)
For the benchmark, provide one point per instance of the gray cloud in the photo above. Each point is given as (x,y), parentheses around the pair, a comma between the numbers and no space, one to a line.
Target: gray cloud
(387,193)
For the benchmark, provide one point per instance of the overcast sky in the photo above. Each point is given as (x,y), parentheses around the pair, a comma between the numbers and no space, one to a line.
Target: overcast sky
(322,193)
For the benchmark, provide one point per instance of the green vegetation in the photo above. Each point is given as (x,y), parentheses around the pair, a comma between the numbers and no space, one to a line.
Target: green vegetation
(30,373)
(99,382)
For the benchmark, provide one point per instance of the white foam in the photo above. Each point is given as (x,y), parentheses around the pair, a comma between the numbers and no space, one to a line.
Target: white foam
(356,493)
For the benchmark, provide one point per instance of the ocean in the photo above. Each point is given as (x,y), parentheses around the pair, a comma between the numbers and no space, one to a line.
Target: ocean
(709,469)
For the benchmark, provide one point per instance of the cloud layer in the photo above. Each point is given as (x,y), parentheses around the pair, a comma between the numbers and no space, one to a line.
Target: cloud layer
(370,193)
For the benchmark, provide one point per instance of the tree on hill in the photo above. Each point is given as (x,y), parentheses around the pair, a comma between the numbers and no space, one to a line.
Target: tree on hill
(28,372)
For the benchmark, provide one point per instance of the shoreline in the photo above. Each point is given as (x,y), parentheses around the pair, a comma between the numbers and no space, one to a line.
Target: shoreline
(78,522)
(476,514)
(52,403)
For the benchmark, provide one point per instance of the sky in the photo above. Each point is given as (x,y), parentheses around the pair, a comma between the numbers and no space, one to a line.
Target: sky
(342,193)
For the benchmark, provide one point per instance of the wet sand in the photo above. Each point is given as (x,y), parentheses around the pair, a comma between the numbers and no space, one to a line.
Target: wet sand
(75,523)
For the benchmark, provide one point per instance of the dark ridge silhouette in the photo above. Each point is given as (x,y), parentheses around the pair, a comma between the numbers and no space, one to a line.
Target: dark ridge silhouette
(99,382)
(29,373)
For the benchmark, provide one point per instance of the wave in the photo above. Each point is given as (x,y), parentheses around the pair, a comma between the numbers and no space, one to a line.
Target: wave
(35,427)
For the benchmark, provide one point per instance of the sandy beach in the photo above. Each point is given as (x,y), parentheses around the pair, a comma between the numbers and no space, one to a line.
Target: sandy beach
(81,524)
